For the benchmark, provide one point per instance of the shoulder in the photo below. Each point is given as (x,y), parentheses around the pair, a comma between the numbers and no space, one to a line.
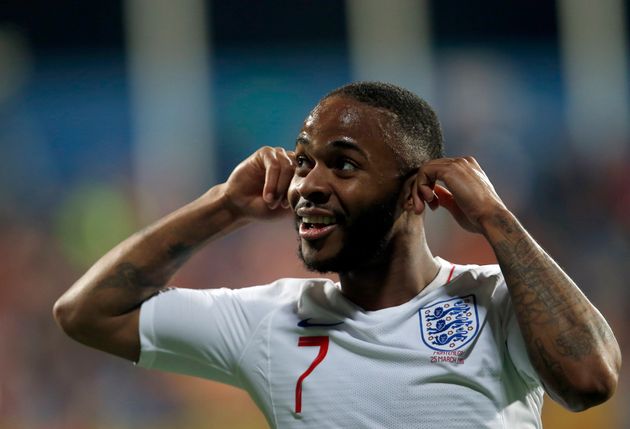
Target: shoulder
(281,291)
(476,273)
(276,293)
(486,282)
(246,306)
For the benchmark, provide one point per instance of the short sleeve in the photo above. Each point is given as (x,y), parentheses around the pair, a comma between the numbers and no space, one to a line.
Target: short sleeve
(195,332)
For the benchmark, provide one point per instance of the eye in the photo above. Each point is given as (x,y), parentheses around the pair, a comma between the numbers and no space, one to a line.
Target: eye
(346,165)
(302,161)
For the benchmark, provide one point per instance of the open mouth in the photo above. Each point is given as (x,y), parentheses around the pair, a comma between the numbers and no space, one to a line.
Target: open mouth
(316,227)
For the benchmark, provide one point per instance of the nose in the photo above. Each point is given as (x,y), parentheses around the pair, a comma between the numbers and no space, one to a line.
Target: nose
(314,186)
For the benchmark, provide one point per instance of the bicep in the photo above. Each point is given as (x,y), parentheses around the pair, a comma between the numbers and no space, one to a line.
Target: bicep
(117,335)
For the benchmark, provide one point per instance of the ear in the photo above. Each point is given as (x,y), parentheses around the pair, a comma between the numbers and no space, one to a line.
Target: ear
(411,200)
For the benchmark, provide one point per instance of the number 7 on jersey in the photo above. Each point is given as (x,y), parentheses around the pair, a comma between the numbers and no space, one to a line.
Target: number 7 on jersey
(322,343)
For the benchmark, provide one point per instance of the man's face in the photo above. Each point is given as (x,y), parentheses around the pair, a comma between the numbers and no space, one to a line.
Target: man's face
(346,185)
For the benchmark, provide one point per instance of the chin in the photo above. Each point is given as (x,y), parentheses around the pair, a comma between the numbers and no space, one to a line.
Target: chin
(350,257)
(321,266)
(314,261)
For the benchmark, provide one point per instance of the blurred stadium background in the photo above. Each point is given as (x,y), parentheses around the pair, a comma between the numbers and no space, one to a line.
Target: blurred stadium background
(114,113)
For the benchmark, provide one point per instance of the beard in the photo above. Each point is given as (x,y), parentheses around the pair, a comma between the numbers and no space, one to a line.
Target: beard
(365,240)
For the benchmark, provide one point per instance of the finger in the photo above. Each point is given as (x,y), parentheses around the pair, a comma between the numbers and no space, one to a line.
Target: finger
(444,196)
(442,193)
(434,203)
(418,202)
(291,155)
(272,173)
(409,196)
(430,172)
(473,161)
(425,187)
(416,199)
(447,201)
(287,169)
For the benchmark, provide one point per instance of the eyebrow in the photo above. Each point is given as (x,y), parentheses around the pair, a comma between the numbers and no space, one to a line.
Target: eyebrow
(337,144)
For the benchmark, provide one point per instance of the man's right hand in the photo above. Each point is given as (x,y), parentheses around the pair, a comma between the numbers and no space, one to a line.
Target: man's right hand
(257,188)
(101,309)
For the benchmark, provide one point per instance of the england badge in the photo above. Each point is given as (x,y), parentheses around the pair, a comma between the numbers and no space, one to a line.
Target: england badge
(449,325)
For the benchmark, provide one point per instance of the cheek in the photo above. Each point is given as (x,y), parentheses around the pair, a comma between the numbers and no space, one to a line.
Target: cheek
(357,200)
(292,194)
(353,199)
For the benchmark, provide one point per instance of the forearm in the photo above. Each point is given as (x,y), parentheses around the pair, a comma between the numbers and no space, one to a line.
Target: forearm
(142,264)
(569,343)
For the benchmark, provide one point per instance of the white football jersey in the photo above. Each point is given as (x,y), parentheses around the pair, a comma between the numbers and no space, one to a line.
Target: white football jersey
(452,357)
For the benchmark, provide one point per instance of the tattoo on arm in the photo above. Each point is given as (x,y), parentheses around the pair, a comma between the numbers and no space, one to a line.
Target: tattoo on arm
(546,301)
(127,275)
(575,343)
(568,342)
(135,284)
(531,280)
(180,251)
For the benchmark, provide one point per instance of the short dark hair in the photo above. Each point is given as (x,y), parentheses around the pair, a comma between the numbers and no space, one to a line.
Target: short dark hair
(419,135)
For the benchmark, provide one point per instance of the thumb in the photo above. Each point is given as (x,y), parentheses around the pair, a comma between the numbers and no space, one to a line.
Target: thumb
(445,197)
(447,201)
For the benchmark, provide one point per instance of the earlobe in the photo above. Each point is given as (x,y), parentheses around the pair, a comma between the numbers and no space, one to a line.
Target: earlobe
(408,205)
(413,201)
(409,208)
(417,204)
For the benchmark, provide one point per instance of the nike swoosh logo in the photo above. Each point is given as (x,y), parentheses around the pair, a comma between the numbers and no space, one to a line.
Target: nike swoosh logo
(306,324)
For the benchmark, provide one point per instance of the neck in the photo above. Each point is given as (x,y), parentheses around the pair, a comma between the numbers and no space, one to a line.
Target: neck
(400,275)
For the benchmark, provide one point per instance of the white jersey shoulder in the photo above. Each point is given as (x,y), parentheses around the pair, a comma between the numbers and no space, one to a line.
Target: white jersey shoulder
(452,357)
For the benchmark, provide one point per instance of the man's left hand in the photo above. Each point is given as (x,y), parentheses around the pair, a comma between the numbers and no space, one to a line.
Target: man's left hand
(467,193)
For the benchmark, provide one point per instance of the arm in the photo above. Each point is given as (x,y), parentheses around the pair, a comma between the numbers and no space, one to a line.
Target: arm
(568,341)
(101,309)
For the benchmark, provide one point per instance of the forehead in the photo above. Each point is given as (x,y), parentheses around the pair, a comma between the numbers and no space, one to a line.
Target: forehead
(340,117)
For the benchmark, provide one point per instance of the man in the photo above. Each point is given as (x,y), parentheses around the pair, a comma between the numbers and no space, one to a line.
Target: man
(405,339)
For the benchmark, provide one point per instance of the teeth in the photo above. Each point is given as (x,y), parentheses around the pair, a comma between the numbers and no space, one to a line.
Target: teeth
(326,220)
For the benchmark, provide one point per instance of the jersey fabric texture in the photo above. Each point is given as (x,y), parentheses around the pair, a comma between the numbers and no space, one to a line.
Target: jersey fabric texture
(452,357)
